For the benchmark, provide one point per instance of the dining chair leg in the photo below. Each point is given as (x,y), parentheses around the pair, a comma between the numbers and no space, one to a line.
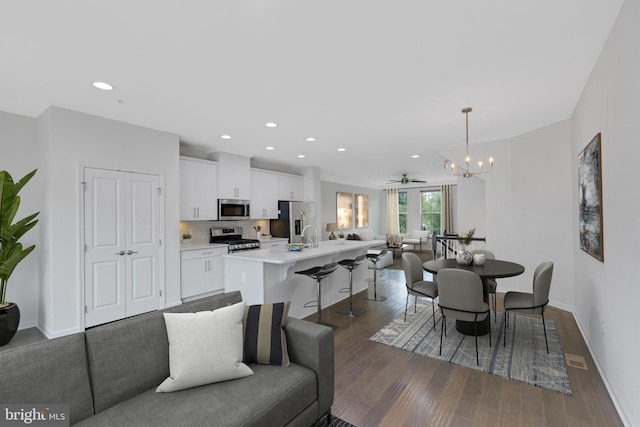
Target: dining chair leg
(495,311)
(433,311)
(444,322)
(415,304)
(545,333)
(506,320)
(406,305)
(475,332)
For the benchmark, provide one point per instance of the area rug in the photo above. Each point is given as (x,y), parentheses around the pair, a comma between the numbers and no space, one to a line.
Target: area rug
(335,422)
(524,358)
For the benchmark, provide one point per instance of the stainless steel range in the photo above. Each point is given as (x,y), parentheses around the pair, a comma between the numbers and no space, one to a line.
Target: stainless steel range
(232,236)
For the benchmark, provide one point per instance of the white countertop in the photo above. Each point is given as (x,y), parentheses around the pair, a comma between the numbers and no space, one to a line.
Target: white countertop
(280,254)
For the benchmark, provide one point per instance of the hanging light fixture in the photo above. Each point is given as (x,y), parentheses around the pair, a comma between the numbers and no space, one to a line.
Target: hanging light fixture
(452,168)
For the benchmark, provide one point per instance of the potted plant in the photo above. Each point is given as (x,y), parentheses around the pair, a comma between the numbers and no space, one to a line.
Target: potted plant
(463,256)
(340,238)
(186,238)
(11,251)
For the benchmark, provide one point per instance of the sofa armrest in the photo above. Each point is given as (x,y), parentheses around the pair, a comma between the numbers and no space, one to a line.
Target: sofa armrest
(311,345)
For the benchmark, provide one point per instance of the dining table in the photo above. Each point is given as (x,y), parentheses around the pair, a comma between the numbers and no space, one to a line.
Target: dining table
(490,269)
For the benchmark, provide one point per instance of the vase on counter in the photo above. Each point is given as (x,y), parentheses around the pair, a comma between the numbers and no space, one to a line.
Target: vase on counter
(464,257)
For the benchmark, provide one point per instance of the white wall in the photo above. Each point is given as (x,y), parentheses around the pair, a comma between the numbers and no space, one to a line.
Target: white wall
(607,293)
(470,206)
(528,211)
(328,207)
(19,157)
(70,140)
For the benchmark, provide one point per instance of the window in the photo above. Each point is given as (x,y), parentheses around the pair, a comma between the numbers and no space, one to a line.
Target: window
(430,210)
(402,211)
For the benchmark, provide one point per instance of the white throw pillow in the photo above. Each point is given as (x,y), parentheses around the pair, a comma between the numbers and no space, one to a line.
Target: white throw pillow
(204,347)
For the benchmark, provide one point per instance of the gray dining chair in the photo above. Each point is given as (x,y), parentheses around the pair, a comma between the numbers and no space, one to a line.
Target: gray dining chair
(416,285)
(461,298)
(492,285)
(534,303)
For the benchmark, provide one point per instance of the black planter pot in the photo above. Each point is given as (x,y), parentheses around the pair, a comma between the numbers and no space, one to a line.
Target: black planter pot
(9,321)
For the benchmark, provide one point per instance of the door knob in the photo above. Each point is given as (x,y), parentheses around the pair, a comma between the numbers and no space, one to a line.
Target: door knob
(120,253)
(129,252)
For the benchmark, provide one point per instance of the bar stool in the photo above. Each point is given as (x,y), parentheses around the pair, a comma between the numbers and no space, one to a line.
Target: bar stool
(372,294)
(319,273)
(351,264)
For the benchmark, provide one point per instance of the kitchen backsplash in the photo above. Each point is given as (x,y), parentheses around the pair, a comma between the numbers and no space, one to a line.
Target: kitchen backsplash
(199,230)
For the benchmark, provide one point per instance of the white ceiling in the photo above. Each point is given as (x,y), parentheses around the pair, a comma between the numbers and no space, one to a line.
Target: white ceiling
(383,79)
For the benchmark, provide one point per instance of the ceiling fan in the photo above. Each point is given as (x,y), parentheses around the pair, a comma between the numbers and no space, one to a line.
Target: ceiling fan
(406,180)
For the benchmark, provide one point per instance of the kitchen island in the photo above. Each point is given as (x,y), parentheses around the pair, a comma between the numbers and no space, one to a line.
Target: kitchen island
(268,275)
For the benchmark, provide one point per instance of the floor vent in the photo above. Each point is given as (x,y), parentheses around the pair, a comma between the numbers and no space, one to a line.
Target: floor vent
(575,361)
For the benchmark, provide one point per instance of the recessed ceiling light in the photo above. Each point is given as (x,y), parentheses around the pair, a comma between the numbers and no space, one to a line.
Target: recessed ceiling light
(226,137)
(311,139)
(301,156)
(103,85)
(342,149)
(415,156)
(270,148)
(271,125)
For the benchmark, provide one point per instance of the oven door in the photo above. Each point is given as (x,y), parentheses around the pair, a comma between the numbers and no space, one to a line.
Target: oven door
(233,209)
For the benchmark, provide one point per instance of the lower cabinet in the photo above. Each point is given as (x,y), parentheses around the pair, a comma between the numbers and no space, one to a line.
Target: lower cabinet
(201,272)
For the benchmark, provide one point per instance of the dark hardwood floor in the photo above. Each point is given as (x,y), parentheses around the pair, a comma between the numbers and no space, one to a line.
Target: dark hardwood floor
(377,385)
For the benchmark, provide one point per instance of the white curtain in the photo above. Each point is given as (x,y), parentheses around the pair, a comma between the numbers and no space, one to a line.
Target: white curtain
(393,218)
(446,209)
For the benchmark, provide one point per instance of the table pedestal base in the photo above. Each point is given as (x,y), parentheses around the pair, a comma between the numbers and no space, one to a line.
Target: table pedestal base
(467,328)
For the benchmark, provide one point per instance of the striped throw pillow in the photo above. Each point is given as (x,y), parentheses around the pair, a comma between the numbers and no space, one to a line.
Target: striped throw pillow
(264,338)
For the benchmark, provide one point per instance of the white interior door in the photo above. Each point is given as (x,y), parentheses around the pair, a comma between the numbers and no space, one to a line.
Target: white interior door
(142,241)
(122,247)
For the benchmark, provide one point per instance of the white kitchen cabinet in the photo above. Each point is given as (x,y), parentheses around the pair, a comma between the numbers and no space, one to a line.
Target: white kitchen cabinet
(201,272)
(234,176)
(264,195)
(198,190)
(290,187)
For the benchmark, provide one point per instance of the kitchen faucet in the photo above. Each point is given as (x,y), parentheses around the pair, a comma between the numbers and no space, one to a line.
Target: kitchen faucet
(314,243)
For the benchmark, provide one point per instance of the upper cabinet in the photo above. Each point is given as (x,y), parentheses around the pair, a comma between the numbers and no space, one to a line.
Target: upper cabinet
(198,190)
(234,176)
(264,195)
(290,187)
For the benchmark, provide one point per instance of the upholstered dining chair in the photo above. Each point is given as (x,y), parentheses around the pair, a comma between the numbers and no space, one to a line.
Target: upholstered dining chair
(492,285)
(534,303)
(461,298)
(416,285)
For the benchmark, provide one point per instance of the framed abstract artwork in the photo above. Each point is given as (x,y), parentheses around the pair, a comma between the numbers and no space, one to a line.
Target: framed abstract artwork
(362,211)
(590,199)
(344,210)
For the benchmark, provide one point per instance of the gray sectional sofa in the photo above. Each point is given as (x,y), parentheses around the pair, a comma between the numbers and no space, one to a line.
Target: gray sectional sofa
(109,374)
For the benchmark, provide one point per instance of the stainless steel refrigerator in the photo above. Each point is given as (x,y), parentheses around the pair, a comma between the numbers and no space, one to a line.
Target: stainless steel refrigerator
(290,222)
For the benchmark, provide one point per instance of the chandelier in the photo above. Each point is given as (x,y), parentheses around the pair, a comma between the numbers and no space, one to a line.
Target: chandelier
(451,167)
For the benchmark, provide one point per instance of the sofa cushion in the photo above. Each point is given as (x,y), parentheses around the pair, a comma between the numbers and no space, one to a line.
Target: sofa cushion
(53,371)
(204,347)
(264,337)
(272,396)
(130,356)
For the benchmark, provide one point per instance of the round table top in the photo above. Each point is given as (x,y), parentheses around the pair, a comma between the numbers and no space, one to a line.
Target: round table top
(492,268)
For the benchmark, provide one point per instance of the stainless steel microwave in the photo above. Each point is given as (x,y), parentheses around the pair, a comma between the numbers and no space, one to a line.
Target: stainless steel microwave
(231,209)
